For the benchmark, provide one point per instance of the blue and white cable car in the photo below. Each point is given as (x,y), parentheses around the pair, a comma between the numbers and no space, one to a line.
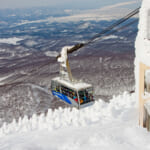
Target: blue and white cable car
(75,94)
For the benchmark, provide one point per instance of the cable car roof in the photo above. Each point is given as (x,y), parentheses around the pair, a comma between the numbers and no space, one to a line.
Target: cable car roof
(73,85)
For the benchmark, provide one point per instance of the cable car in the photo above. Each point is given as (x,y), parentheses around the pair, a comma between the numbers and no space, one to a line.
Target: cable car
(77,94)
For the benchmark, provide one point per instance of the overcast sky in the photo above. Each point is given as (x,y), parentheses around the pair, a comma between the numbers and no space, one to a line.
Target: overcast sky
(66,4)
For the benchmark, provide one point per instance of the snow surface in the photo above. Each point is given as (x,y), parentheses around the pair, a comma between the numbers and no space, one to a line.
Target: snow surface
(74,85)
(51,53)
(31,43)
(106,126)
(13,40)
(147,104)
(5,78)
(142,43)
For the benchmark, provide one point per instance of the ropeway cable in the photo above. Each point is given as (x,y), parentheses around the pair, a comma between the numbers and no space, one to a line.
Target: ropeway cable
(102,33)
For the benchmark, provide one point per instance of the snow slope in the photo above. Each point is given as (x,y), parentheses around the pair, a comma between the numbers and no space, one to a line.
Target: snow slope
(106,126)
(142,42)
(13,40)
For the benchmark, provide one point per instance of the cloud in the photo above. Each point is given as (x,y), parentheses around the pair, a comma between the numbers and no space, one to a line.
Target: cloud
(105,13)
(59,3)
(118,5)
(115,11)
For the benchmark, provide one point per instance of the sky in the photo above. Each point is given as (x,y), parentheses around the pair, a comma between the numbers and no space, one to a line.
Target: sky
(64,4)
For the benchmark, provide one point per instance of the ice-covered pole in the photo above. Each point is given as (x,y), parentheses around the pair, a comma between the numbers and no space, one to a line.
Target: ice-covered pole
(73,48)
(65,71)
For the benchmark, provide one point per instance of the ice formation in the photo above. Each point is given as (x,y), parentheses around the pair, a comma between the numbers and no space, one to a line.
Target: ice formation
(112,125)
(120,108)
(74,85)
(104,126)
(142,43)
(63,58)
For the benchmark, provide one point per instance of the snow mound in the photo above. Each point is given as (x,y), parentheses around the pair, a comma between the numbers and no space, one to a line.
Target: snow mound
(119,108)
(106,126)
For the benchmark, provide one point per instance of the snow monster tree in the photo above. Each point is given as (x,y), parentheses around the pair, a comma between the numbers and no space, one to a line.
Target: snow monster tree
(142,65)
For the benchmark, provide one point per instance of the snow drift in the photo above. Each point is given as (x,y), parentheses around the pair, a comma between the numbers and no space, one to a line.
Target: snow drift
(100,112)
(104,125)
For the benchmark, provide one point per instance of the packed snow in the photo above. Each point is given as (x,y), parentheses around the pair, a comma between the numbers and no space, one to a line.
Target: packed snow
(13,40)
(107,126)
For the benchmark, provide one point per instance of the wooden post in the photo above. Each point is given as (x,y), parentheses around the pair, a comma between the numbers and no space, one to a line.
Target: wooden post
(142,117)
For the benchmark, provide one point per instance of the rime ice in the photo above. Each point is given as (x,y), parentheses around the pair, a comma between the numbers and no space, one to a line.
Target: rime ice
(63,58)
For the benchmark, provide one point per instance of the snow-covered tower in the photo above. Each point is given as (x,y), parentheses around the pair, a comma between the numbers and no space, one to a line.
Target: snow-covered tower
(142,64)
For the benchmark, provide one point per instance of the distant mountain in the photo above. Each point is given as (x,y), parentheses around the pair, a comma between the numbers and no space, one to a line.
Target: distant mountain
(44,29)
(29,42)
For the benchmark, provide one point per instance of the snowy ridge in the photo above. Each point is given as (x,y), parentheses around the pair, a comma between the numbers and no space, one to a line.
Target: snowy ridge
(121,108)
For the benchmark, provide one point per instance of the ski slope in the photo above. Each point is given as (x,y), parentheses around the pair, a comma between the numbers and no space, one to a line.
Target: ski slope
(106,126)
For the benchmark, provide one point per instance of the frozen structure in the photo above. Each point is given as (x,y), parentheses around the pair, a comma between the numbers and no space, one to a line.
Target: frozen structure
(142,65)
(65,71)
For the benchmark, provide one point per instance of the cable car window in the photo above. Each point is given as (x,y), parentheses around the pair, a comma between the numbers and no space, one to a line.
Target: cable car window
(82,97)
(75,97)
(90,93)
(52,85)
(70,93)
(86,95)
(55,86)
